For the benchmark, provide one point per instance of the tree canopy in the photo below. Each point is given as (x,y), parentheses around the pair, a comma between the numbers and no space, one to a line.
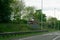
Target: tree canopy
(39,16)
(17,7)
(5,10)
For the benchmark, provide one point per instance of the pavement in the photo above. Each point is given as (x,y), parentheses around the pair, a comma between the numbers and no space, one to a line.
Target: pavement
(49,36)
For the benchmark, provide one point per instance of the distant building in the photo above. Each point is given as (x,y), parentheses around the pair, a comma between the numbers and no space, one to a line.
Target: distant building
(34,24)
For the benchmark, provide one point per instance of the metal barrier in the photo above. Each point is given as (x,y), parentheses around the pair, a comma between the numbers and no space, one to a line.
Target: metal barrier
(20,33)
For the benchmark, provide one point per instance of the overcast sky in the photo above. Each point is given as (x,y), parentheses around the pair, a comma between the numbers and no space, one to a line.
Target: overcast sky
(48,6)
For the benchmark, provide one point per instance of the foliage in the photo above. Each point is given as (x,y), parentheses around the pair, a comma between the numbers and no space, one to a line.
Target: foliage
(17,7)
(39,16)
(5,10)
(53,23)
(13,27)
(29,11)
(15,12)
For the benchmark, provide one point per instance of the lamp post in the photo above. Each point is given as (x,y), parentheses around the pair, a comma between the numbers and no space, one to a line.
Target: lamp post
(42,4)
(41,15)
(54,15)
(58,20)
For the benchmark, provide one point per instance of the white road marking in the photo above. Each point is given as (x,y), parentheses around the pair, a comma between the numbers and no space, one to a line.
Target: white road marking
(56,38)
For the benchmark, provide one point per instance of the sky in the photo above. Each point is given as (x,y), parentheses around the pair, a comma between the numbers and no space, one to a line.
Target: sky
(49,7)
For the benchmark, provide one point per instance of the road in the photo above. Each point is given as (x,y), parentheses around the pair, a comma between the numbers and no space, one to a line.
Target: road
(49,36)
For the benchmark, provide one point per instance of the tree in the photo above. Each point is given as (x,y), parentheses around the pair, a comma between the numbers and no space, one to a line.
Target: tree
(29,11)
(17,7)
(58,25)
(5,10)
(52,22)
(52,19)
(39,16)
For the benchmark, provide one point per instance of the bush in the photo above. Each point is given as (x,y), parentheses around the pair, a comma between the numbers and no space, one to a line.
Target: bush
(11,27)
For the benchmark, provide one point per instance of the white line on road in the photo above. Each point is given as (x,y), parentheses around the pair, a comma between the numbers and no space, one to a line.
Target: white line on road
(56,37)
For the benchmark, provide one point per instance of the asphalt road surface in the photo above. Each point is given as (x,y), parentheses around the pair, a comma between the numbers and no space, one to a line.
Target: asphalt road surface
(49,36)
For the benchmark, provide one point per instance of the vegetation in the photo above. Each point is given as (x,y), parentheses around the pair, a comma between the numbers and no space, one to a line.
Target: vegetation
(5,10)
(13,37)
(14,16)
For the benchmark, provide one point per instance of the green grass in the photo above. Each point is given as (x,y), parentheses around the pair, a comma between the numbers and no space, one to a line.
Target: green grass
(25,35)
(18,27)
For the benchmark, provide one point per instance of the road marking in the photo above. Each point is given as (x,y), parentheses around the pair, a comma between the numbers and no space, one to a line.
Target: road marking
(56,37)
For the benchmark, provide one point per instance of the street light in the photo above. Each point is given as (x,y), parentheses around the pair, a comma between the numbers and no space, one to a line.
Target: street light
(54,15)
(41,9)
(41,4)
(58,17)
